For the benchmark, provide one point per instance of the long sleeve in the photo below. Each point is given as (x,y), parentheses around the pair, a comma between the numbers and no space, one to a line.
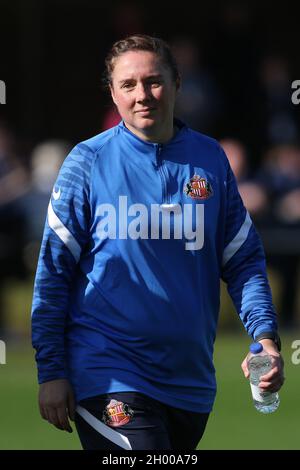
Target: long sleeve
(244,266)
(65,237)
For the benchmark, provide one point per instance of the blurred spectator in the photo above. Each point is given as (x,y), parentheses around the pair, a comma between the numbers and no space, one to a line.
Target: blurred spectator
(280,175)
(199,102)
(276,113)
(46,160)
(237,156)
(253,193)
(272,197)
(288,208)
(233,52)
(13,176)
(13,185)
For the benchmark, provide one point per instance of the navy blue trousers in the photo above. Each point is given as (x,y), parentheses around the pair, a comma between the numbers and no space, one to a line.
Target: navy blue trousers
(134,421)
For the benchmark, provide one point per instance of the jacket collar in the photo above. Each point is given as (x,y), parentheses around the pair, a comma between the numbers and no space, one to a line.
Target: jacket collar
(146,146)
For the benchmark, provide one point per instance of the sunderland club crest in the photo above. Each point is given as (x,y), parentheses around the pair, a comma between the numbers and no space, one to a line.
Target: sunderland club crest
(198,188)
(117,414)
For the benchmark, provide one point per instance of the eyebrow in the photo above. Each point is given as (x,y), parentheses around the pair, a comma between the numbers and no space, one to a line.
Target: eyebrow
(130,79)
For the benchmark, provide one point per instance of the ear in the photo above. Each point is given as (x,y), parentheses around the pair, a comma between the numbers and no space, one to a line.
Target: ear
(112,94)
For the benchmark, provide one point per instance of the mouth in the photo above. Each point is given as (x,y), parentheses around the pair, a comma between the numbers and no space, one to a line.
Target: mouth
(145,111)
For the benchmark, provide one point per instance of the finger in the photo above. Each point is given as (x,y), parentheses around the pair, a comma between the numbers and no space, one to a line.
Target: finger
(272,386)
(245,369)
(270,375)
(71,407)
(53,418)
(272,379)
(277,361)
(63,419)
(43,412)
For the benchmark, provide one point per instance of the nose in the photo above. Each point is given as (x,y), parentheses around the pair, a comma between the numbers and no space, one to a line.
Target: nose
(142,93)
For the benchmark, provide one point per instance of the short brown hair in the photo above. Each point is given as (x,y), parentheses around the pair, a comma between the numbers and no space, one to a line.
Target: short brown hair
(140,42)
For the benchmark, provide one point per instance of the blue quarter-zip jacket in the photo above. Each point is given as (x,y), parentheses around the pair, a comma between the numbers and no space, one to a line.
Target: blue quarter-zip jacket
(137,238)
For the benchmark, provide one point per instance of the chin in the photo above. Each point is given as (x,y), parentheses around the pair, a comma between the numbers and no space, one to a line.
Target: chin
(146,123)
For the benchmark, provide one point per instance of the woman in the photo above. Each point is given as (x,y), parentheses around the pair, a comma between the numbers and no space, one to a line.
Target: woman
(143,221)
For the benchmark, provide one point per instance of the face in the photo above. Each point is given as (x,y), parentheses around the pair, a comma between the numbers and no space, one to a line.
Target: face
(144,92)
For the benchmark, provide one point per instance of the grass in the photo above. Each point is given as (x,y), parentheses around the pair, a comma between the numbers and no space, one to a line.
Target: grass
(22,427)
(233,424)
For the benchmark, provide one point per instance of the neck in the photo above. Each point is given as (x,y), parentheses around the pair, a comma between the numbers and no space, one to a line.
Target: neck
(151,136)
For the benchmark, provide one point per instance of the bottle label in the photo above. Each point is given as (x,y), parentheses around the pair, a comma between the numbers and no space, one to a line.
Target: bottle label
(258,394)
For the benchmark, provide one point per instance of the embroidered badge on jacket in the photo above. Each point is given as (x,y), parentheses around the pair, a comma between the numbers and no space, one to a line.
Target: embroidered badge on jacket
(117,414)
(198,188)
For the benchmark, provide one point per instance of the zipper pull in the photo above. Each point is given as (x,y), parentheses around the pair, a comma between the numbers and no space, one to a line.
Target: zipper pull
(158,152)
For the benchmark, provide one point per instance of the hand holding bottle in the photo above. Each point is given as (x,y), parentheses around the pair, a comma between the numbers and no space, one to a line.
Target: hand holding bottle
(266,374)
(273,380)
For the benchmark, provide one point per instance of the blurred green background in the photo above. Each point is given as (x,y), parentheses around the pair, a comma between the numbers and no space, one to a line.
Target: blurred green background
(233,424)
(238,61)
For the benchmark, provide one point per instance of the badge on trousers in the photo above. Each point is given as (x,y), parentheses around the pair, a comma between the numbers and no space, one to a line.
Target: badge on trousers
(117,414)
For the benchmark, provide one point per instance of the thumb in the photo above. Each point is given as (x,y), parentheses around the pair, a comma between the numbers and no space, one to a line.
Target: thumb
(245,368)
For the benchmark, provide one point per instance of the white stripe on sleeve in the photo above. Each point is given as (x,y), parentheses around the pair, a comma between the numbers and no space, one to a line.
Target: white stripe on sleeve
(63,233)
(103,429)
(238,240)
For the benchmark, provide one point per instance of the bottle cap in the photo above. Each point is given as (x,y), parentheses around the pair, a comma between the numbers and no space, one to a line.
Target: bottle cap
(256,348)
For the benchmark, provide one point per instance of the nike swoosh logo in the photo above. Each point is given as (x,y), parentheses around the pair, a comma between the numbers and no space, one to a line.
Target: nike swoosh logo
(56,194)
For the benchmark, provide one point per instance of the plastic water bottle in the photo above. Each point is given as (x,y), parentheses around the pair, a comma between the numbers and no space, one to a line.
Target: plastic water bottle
(260,363)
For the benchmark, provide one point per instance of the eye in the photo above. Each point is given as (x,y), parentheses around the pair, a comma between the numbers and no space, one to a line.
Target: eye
(155,83)
(127,85)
